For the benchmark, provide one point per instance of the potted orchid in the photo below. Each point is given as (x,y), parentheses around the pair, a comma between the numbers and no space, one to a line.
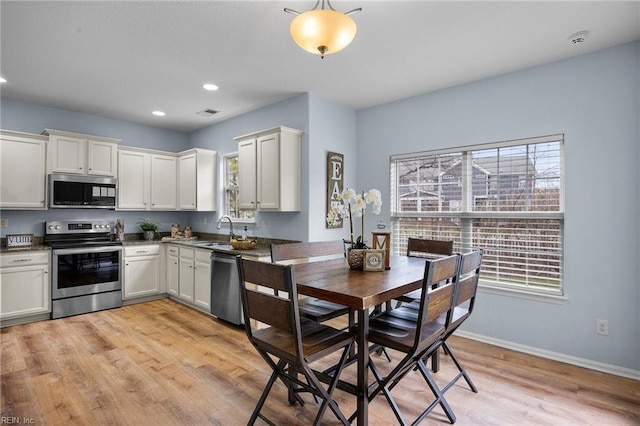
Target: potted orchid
(354,205)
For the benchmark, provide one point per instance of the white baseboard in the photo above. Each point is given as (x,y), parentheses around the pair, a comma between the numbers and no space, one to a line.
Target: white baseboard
(580,362)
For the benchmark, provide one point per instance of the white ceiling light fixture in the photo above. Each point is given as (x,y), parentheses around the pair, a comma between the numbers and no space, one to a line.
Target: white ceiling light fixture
(158,113)
(209,86)
(322,31)
(3,80)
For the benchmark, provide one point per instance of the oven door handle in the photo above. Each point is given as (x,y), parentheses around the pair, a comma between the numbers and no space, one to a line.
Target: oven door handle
(83,250)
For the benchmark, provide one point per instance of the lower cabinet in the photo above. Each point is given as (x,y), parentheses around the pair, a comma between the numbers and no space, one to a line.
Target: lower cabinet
(141,275)
(24,284)
(173,270)
(189,276)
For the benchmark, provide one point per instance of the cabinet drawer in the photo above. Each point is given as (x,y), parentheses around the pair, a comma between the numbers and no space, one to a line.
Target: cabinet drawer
(24,258)
(187,253)
(173,251)
(150,250)
(203,256)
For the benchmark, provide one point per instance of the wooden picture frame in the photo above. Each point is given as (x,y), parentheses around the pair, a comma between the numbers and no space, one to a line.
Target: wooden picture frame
(19,240)
(373,260)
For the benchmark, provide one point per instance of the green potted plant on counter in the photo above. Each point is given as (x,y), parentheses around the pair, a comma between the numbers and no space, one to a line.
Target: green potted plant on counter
(149,229)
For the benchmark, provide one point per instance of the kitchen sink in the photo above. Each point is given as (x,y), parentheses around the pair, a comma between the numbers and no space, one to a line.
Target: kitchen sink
(210,244)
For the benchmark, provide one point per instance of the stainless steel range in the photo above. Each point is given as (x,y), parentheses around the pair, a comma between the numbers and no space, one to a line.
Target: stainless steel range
(86,267)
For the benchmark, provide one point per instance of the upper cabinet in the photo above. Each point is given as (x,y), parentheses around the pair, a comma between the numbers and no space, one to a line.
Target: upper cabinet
(197,180)
(23,179)
(147,180)
(269,169)
(76,153)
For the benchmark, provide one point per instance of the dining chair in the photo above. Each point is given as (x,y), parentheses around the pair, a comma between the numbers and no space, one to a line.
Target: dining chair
(311,307)
(464,301)
(288,344)
(422,247)
(416,336)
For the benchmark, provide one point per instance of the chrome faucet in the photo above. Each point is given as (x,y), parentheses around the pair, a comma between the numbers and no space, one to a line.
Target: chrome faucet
(231,234)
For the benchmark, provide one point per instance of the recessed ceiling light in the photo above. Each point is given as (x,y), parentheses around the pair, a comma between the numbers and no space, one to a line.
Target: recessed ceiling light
(210,86)
(158,113)
(3,80)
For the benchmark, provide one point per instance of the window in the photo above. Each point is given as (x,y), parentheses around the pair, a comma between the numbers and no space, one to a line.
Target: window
(506,198)
(231,189)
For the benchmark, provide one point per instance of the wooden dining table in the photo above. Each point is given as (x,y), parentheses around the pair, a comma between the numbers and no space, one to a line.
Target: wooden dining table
(334,281)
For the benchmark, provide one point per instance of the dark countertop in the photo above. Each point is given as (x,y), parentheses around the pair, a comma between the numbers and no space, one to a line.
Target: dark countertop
(37,247)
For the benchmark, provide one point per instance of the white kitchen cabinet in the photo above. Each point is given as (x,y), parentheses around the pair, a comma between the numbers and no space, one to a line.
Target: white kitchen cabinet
(197,180)
(146,180)
(141,275)
(23,178)
(269,172)
(24,284)
(173,269)
(163,182)
(186,274)
(75,153)
(202,280)
(194,276)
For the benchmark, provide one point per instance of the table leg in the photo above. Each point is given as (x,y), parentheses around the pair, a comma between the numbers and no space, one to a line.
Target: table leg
(363,367)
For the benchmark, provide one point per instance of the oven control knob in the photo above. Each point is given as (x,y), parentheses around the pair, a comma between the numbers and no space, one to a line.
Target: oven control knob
(56,227)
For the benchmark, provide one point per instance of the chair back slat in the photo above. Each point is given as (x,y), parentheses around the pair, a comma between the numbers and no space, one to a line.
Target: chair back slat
(440,301)
(417,246)
(267,275)
(269,309)
(290,251)
(442,270)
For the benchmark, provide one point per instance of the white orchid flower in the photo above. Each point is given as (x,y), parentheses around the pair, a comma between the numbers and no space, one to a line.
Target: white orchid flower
(348,195)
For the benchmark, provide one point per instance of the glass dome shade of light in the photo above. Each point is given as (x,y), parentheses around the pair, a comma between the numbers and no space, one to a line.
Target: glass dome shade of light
(323,32)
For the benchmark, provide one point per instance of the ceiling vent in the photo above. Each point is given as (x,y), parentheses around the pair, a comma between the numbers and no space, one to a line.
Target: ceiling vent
(579,37)
(207,112)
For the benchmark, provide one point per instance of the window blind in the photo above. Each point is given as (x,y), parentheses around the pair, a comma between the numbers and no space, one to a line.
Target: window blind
(506,198)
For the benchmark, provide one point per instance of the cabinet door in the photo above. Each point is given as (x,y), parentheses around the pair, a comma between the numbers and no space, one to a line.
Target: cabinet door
(187,178)
(163,182)
(141,276)
(173,277)
(25,291)
(268,169)
(186,279)
(133,180)
(22,173)
(247,174)
(102,158)
(68,155)
(202,280)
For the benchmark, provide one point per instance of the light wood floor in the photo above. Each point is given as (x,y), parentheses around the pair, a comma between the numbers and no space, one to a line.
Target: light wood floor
(161,363)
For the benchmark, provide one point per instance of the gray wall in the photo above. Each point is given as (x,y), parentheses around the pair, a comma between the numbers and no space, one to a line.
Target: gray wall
(592,99)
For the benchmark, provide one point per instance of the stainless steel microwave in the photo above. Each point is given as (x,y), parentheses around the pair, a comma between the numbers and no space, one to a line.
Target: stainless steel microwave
(82,192)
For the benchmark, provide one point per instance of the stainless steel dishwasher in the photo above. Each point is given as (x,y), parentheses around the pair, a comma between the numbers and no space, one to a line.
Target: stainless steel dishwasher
(225,288)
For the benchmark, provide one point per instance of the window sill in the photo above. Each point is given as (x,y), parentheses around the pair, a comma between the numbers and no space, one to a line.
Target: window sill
(522,294)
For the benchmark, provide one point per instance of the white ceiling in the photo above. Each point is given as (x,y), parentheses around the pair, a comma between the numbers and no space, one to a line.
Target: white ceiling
(125,59)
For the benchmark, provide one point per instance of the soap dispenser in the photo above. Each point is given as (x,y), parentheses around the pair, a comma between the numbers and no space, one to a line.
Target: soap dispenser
(244,233)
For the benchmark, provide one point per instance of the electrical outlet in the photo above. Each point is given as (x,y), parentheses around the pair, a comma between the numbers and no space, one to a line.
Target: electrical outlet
(602,327)
(4,223)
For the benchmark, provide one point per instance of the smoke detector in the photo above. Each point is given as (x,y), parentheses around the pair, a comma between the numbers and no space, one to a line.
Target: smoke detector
(207,112)
(579,37)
